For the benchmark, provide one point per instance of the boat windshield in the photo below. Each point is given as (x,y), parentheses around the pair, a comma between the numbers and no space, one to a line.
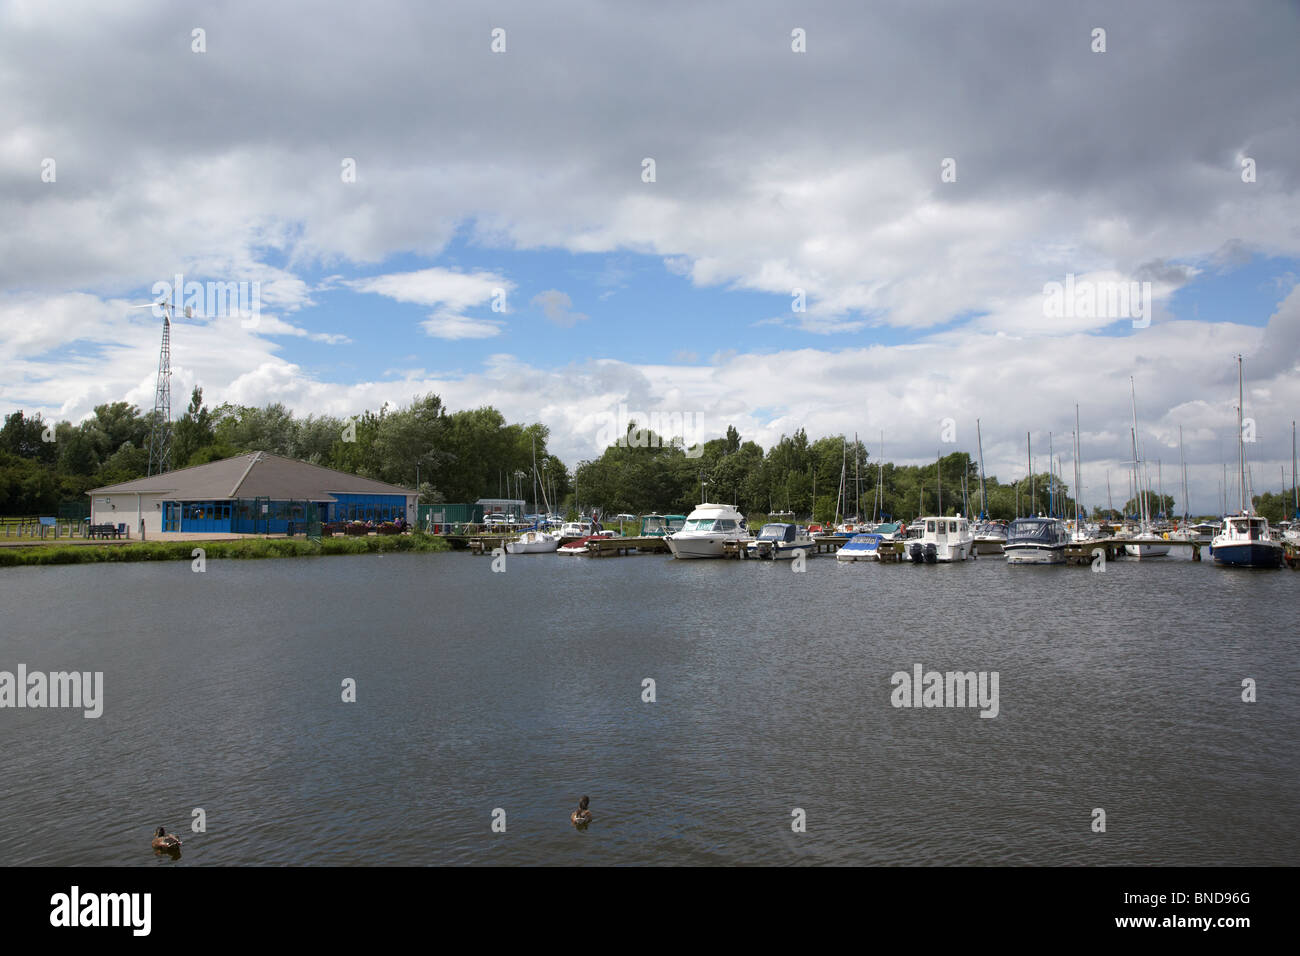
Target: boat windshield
(1032,529)
(699,524)
(775,532)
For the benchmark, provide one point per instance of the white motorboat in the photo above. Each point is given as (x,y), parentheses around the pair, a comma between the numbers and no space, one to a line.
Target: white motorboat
(576,529)
(941,540)
(533,542)
(1037,541)
(990,537)
(781,542)
(706,530)
(861,547)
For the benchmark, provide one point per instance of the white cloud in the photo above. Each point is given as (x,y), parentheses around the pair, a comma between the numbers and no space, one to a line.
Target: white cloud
(558,307)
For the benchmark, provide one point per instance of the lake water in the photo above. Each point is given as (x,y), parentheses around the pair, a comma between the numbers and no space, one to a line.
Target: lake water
(523,691)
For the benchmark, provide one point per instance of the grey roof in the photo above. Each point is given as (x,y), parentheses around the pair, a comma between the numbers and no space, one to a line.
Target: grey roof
(255,475)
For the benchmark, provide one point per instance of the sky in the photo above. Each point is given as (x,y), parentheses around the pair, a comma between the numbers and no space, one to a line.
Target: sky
(839,217)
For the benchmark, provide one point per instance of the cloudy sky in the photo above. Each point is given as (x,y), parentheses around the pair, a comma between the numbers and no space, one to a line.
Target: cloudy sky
(423,212)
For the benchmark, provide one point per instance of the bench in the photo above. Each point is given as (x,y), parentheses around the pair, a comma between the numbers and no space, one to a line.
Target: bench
(106,531)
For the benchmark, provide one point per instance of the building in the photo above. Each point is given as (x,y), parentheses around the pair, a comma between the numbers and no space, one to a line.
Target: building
(512,508)
(257,493)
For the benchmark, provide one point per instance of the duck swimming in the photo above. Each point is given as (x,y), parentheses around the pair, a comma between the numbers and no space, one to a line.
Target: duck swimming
(167,842)
(581,816)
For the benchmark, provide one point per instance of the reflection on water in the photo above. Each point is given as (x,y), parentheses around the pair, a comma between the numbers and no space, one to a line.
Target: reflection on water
(521,692)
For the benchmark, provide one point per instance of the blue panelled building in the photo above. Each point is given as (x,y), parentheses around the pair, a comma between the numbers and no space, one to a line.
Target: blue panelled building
(257,493)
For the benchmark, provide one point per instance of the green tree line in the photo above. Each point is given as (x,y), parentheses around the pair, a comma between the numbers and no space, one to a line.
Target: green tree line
(459,456)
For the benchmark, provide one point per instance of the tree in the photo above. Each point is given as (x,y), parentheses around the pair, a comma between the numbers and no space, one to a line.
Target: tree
(192,431)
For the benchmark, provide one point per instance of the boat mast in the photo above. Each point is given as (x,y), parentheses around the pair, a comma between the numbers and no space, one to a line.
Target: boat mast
(1051,477)
(1295,489)
(984,502)
(938,480)
(1137,467)
(1182,464)
(880,480)
(1241,442)
(1078,446)
(857,480)
(1029,464)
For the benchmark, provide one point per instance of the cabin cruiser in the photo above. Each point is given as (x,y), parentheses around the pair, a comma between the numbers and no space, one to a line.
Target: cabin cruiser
(861,547)
(533,542)
(781,542)
(1245,542)
(577,529)
(941,539)
(706,530)
(990,537)
(1037,541)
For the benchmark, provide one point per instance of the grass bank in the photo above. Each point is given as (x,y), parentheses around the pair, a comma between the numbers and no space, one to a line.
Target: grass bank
(250,549)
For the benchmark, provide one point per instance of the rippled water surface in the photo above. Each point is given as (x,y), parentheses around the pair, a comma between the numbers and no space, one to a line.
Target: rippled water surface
(522,691)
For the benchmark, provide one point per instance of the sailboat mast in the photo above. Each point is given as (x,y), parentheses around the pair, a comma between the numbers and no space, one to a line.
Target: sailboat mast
(1241,442)
(1295,489)
(1182,465)
(1029,464)
(857,479)
(938,479)
(1078,478)
(984,502)
(1051,477)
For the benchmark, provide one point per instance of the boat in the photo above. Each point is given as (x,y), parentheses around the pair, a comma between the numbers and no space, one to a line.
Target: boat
(781,542)
(889,531)
(861,547)
(1039,540)
(706,530)
(533,542)
(990,537)
(576,546)
(577,529)
(1245,541)
(1145,543)
(941,540)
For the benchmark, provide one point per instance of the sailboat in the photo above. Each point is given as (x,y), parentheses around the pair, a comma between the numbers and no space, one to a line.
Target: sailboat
(990,536)
(1293,533)
(1245,541)
(1145,543)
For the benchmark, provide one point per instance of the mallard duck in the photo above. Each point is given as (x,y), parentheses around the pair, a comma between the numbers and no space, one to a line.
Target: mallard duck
(581,816)
(162,840)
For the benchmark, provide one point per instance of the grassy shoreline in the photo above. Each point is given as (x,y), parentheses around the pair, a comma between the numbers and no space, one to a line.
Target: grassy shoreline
(253,548)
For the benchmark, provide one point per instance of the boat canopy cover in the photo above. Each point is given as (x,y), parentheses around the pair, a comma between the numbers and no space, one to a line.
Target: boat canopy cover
(891,528)
(864,541)
(1034,529)
(777,532)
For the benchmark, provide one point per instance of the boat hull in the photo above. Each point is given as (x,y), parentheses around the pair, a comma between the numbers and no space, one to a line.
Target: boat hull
(1035,554)
(1248,554)
(695,547)
(1143,550)
(990,545)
